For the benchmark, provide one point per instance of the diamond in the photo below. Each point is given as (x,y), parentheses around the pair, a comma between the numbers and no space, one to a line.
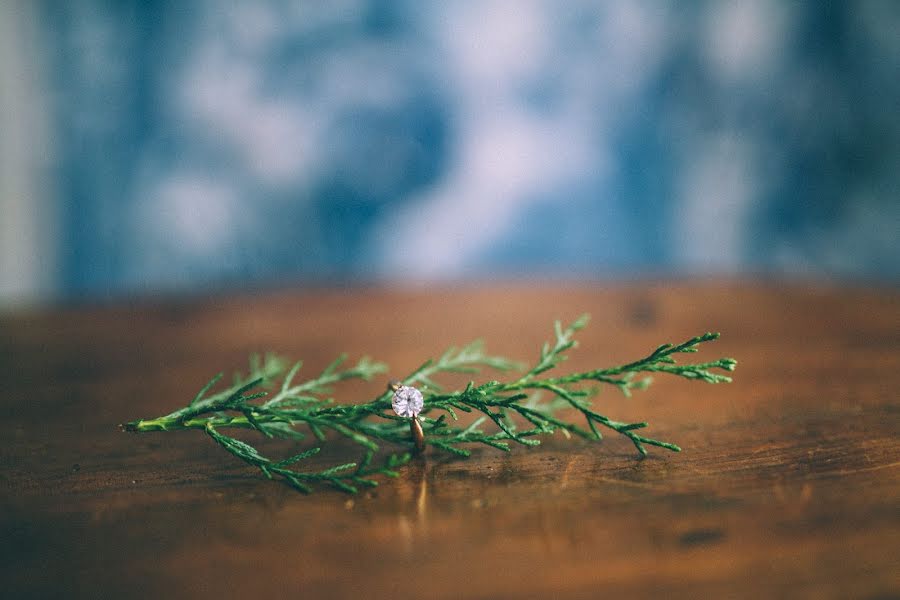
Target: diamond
(407,401)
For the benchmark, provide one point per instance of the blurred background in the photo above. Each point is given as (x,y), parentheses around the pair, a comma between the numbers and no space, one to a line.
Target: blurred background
(165,147)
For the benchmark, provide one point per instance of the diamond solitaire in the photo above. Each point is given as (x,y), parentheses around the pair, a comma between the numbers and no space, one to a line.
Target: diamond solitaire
(407,401)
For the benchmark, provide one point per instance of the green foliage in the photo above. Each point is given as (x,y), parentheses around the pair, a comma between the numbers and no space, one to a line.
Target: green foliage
(516,408)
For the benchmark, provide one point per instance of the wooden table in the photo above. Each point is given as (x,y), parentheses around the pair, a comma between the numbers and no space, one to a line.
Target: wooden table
(789,485)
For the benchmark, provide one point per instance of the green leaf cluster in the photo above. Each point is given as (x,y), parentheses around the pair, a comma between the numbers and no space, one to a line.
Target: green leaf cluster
(522,409)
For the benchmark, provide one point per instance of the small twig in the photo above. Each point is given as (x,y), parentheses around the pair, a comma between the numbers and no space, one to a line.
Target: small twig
(295,407)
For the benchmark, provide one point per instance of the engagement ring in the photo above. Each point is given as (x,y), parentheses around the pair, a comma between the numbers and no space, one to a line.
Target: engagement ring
(408,402)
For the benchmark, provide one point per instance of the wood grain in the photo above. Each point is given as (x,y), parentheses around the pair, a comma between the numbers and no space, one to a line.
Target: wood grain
(789,485)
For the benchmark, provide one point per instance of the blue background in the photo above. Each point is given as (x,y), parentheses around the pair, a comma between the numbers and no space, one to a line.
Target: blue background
(210,144)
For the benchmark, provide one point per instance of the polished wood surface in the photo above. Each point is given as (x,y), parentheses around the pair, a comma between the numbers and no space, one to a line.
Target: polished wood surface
(788,487)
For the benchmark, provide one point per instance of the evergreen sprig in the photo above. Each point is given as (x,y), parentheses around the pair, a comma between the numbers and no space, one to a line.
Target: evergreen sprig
(257,401)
